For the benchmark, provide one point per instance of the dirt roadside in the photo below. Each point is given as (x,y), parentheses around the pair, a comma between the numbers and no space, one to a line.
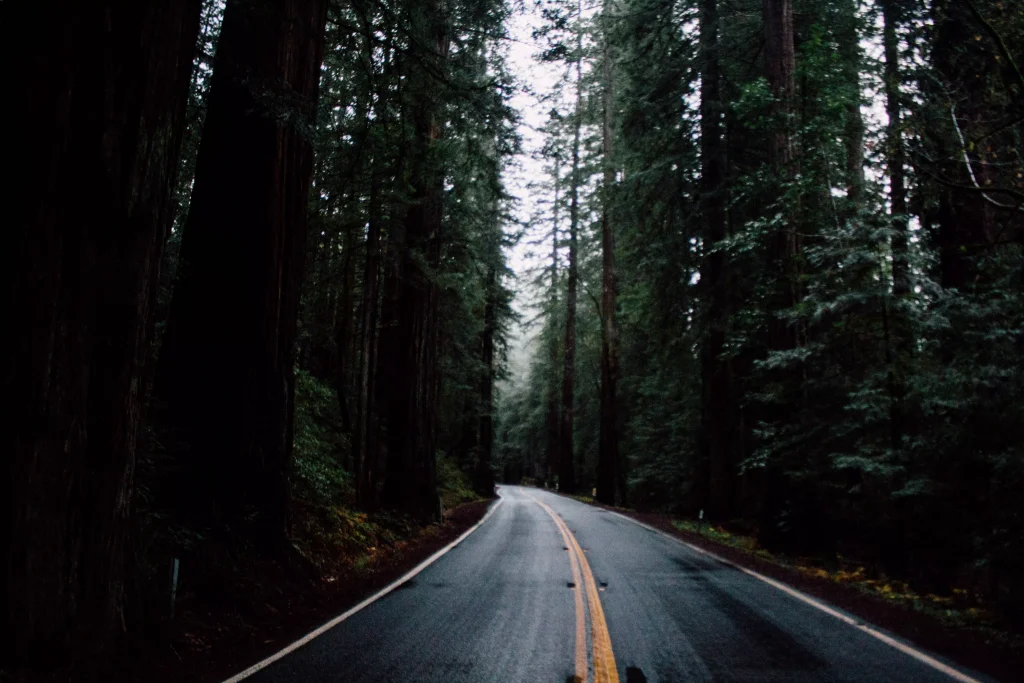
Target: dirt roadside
(213,642)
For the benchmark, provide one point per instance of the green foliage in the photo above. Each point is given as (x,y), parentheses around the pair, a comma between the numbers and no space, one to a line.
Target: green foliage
(320,445)
(453,484)
(889,427)
(371,153)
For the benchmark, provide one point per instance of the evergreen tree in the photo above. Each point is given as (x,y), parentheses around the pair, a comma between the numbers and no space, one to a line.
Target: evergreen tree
(95,137)
(235,304)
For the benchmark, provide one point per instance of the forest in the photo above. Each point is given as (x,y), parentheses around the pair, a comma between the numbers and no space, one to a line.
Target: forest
(777,276)
(269,266)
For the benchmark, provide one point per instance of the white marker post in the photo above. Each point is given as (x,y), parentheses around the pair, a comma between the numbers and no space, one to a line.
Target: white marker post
(174,584)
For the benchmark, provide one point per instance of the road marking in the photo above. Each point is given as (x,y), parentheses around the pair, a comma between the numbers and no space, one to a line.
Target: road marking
(605,670)
(581,619)
(258,666)
(803,597)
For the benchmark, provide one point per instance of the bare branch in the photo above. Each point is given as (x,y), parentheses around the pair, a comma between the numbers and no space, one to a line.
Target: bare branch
(970,169)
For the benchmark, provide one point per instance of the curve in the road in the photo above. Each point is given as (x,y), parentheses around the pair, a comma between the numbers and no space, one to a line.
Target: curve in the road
(496,608)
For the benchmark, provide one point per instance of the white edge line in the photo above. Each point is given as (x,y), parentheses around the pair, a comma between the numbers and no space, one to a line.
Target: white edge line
(258,666)
(803,597)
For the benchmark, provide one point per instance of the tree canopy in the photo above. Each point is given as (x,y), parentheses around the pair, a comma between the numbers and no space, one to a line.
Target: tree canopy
(816,210)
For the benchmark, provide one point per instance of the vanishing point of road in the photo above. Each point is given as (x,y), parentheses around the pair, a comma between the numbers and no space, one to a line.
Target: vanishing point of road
(548,589)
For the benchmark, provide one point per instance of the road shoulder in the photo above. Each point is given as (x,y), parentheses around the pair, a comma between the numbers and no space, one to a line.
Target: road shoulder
(215,642)
(964,646)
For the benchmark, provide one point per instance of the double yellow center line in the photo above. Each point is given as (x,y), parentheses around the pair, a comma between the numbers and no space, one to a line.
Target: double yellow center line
(605,670)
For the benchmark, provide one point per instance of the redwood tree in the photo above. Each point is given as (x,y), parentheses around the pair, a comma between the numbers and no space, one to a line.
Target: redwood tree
(716,409)
(411,478)
(780,70)
(553,385)
(608,465)
(484,473)
(895,158)
(97,94)
(566,449)
(226,370)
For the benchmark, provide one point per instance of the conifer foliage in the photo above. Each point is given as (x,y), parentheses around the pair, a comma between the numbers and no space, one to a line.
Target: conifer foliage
(337,225)
(816,208)
(256,279)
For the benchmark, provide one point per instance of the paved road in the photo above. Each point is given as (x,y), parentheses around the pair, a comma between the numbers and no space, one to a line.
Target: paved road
(515,602)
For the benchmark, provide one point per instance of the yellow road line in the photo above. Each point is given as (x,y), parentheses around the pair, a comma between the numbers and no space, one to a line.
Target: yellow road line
(605,670)
(581,619)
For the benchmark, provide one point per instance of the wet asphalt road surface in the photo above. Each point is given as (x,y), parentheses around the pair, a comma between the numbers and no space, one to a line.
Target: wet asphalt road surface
(501,606)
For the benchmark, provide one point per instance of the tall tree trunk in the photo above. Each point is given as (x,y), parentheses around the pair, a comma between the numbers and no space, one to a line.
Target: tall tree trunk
(227,365)
(780,70)
(897,341)
(368,346)
(717,404)
(895,157)
(566,460)
(849,49)
(376,382)
(608,446)
(411,480)
(343,326)
(484,473)
(96,99)
(553,383)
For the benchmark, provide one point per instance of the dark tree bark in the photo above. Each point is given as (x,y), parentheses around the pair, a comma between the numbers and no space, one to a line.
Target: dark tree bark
(897,336)
(717,405)
(365,456)
(374,336)
(317,345)
(343,327)
(566,459)
(553,383)
(411,479)
(96,99)
(226,370)
(608,444)
(780,70)
(484,473)
(895,155)
(849,48)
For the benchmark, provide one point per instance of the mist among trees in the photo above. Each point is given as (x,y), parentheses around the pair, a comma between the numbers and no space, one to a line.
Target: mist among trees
(258,299)
(777,275)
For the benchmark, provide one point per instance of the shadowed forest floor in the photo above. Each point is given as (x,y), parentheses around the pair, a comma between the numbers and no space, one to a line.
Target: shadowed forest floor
(237,604)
